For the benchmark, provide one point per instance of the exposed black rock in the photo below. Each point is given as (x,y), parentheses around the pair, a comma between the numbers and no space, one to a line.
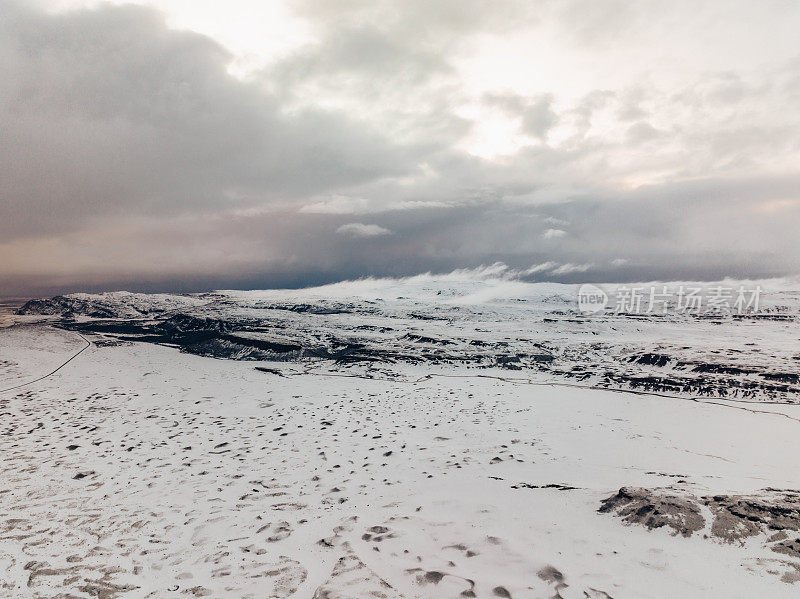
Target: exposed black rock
(222,326)
(655,509)
(651,359)
(771,514)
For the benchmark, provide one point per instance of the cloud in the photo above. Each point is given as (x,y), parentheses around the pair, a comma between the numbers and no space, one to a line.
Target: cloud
(543,267)
(535,114)
(337,204)
(642,132)
(133,157)
(566,269)
(362,230)
(107,111)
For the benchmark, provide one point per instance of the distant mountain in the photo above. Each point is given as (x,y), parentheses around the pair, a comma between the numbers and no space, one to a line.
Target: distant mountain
(513,329)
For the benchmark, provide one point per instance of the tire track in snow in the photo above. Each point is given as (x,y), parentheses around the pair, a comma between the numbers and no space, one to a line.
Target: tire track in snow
(49,374)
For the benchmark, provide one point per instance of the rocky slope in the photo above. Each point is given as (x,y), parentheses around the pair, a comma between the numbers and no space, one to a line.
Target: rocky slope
(536,331)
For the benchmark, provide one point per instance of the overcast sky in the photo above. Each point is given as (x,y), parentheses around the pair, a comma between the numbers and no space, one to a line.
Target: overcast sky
(190,144)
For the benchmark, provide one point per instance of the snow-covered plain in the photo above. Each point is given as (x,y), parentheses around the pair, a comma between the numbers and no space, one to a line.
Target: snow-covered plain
(383,449)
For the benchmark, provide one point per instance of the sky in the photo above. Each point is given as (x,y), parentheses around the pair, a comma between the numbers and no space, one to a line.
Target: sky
(186,145)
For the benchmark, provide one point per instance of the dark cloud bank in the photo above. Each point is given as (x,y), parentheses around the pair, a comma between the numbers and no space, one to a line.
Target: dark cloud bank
(131,158)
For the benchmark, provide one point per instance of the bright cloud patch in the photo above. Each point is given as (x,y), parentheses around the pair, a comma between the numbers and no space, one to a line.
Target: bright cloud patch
(362,230)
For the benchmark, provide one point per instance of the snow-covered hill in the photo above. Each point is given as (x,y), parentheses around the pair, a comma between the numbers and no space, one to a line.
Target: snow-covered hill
(425,438)
(536,330)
